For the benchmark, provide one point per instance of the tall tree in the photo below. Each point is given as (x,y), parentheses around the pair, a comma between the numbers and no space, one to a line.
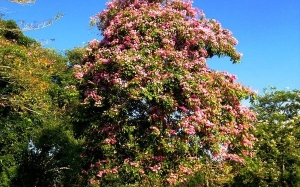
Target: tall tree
(277,160)
(152,112)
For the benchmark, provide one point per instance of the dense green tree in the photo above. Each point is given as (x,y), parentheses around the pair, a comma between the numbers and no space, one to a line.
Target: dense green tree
(36,139)
(75,56)
(152,112)
(11,31)
(277,149)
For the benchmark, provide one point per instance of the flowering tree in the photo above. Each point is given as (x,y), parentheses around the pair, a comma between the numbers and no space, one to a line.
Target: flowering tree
(152,112)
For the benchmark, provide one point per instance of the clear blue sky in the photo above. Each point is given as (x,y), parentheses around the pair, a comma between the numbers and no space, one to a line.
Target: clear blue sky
(268,33)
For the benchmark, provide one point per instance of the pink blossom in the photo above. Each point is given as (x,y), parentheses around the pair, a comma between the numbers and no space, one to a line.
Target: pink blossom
(84,172)
(190,130)
(94,44)
(134,164)
(247,142)
(78,75)
(114,171)
(172,132)
(154,117)
(185,169)
(209,124)
(100,174)
(234,157)
(172,179)
(110,141)
(183,109)
(156,168)
(141,171)
(92,181)
(105,61)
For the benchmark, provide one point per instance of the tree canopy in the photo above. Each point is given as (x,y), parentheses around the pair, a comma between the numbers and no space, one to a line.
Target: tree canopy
(36,139)
(276,161)
(153,113)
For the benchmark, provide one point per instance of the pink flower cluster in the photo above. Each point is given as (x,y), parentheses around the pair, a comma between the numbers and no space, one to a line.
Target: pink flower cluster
(155,168)
(112,171)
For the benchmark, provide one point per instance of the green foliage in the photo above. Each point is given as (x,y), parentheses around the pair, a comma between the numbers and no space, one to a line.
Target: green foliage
(36,138)
(11,31)
(277,149)
(52,160)
(75,56)
(13,131)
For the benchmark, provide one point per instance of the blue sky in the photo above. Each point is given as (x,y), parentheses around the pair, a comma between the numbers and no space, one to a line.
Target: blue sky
(268,33)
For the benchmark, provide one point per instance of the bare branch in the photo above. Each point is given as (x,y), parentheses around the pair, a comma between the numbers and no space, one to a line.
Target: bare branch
(35,26)
(5,10)
(23,2)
